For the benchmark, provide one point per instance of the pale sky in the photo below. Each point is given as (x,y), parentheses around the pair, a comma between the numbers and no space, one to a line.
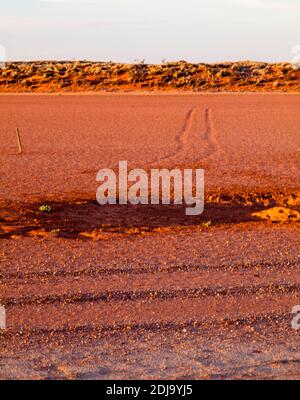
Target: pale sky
(125,30)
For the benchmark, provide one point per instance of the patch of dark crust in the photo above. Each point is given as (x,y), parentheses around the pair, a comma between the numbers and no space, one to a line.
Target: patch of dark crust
(70,219)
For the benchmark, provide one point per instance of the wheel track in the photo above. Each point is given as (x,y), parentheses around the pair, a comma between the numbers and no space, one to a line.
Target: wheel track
(42,333)
(273,288)
(210,136)
(191,137)
(98,271)
(179,139)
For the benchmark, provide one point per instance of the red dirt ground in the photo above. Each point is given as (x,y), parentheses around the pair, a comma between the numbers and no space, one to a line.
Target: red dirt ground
(147,292)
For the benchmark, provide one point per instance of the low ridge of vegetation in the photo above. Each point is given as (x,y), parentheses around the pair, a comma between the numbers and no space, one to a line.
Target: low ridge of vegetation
(81,76)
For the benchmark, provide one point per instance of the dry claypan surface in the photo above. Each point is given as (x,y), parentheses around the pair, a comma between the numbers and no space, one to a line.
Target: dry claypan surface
(145,291)
(172,76)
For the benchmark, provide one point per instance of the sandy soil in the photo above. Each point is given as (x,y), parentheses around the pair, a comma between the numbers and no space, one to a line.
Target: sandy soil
(147,292)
